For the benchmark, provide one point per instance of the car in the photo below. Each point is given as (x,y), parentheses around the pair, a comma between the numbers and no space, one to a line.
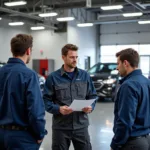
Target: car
(105,78)
(41,81)
(2,64)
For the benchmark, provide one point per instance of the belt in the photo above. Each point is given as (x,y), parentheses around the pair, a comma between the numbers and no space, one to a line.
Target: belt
(137,137)
(13,127)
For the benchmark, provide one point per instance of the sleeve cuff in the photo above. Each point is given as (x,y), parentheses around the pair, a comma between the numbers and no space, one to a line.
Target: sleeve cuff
(56,109)
(114,146)
(41,136)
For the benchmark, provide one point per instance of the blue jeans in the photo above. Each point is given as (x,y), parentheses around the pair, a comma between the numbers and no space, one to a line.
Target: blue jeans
(17,140)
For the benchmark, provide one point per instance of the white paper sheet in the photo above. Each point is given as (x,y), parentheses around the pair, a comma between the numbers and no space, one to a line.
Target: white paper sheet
(78,105)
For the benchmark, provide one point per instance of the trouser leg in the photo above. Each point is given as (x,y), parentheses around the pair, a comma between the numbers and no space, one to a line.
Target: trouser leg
(81,139)
(61,139)
(137,144)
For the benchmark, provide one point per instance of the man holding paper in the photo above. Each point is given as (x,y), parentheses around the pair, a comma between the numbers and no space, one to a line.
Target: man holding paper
(62,87)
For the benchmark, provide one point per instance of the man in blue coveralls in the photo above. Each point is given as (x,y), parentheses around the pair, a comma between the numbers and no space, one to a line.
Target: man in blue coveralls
(22,124)
(61,88)
(132,105)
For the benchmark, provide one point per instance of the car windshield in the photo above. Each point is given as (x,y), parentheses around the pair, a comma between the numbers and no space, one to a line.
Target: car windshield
(102,68)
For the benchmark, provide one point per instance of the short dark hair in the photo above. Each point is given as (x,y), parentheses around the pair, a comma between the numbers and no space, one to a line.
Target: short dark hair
(130,55)
(67,47)
(20,43)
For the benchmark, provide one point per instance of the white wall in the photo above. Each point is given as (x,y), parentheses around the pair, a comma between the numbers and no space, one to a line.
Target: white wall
(127,33)
(6,33)
(85,39)
(51,44)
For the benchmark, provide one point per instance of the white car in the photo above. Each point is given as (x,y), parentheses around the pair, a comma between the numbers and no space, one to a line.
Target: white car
(41,81)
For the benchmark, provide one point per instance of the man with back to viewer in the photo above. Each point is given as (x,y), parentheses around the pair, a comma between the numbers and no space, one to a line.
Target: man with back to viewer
(22,124)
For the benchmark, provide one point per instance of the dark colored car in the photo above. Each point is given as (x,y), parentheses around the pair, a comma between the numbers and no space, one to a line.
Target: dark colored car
(105,78)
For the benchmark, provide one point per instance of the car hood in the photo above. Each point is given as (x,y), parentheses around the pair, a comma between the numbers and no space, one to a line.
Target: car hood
(102,76)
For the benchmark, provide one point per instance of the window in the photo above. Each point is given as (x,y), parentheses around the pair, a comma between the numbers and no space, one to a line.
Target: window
(144,49)
(108,50)
(103,68)
(121,47)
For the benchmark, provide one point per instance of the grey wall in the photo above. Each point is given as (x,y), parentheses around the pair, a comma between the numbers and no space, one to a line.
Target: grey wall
(51,44)
(85,39)
(6,33)
(127,33)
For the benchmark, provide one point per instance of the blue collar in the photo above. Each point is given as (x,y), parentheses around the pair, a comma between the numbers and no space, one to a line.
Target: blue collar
(133,73)
(15,60)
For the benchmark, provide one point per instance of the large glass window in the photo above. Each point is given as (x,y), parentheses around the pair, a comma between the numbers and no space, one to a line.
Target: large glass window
(108,50)
(103,68)
(109,59)
(144,49)
(108,55)
(121,47)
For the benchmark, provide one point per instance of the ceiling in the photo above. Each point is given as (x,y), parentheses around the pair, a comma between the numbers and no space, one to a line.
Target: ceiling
(29,12)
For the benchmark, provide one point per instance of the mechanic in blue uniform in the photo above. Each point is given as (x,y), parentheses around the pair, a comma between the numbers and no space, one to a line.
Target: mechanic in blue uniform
(61,88)
(132,105)
(22,111)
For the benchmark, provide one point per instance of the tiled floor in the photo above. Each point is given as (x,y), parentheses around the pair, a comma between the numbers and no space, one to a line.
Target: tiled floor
(100,129)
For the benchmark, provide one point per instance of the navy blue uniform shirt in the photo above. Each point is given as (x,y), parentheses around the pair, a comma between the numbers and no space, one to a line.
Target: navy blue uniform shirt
(132,109)
(20,98)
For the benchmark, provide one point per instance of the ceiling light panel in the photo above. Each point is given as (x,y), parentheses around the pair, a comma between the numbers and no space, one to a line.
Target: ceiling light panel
(133,14)
(16,3)
(85,24)
(16,23)
(144,22)
(112,7)
(48,14)
(65,19)
(38,28)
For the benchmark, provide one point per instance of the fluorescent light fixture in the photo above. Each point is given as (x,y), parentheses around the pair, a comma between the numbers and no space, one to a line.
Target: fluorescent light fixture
(65,19)
(0,18)
(132,14)
(16,3)
(16,23)
(85,24)
(38,28)
(112,7)
(48,14)
(144,22)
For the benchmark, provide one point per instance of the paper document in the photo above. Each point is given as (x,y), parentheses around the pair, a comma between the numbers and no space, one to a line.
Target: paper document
(78,105)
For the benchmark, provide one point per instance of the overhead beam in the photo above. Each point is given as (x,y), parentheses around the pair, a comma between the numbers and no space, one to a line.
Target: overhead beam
(10,11)
(134,5)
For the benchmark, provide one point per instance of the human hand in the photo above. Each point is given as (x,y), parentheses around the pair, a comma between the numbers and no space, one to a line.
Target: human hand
(39,141)
(87,109)
(65,110)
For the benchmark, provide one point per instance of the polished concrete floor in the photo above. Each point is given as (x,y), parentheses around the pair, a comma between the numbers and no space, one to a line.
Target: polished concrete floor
(100,129)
